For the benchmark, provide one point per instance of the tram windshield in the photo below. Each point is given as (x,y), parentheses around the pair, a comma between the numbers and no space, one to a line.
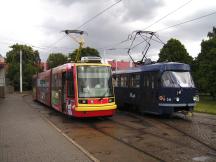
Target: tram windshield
(94,81)
(177,79)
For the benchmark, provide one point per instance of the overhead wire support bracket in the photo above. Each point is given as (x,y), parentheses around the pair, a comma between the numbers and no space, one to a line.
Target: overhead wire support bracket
(79,40)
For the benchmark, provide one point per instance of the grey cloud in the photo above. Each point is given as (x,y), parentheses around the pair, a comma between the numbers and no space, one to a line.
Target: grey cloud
(69,2)
(85,2)
(52,25)
(140,9)
(195,30)
(110,28)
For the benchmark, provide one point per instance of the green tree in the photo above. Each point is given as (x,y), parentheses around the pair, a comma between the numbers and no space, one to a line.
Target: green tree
(213,33)
(84,52)
(174,51)
(56,59)
(205,65)
(30,64)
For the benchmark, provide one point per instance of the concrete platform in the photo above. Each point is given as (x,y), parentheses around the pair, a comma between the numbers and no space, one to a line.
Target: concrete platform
(26,137)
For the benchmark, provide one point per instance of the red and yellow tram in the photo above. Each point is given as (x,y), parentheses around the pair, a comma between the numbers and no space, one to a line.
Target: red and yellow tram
(77,89)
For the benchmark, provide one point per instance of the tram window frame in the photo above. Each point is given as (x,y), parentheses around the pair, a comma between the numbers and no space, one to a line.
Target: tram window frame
(152,81)
(70,84)
(147,81)
(114,81)
(135,81)
(156,79)
(54,81)
(127,80)
(123,80)
(144,82)
(118,80)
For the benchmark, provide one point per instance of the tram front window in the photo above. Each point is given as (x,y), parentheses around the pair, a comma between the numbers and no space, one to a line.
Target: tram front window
(94,81)
(177,79)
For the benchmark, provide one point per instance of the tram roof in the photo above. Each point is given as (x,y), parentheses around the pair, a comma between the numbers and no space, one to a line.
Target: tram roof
(163,66)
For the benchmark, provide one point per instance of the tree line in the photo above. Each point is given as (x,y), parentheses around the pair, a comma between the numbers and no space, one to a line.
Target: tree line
(31,63)
(203,66)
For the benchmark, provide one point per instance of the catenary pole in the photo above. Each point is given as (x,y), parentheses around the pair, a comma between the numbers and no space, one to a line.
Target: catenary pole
(20,71)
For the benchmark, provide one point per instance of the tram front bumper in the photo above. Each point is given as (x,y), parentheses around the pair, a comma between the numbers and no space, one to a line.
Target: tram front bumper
(169,108)
(82,107)
(94,111)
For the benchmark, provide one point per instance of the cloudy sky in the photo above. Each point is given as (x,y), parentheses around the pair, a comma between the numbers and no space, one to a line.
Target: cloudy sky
(39,23)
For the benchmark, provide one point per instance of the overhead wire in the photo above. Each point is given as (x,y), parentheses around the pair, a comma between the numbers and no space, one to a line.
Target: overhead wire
(44,48)
(100,13)
(157,21)
(188,21)
(170,13)
(54,43)
(88,21)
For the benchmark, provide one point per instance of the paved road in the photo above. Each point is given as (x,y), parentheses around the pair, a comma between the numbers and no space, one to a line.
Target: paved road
(26,137)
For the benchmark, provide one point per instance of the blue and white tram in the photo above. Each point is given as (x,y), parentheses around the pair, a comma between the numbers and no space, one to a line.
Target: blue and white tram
(160,88)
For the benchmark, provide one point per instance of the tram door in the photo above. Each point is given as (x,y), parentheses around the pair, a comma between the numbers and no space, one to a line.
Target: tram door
(63,90)
(150,92)
(153,87)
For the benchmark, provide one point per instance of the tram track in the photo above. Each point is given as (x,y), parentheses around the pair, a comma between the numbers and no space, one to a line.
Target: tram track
(192,137)
(152,134)
(183,145)
(126,143)
(207,124)
(138,126)
(175,128)
(109,135)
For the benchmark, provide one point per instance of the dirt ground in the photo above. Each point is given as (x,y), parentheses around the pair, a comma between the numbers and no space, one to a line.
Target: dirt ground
(132,137)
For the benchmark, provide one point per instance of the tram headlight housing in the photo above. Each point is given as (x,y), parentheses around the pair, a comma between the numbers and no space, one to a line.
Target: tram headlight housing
(177,99)
(83,101)
(111,100)
(196,98)
(162,98)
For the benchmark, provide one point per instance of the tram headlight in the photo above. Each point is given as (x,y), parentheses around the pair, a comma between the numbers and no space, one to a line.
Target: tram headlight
(162,98)
(196,98)
(111,100)
(83,101)
(177,99)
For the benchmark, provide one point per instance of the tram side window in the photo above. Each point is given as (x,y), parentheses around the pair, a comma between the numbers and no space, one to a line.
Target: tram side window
(127,81)
(147,80)
(152,81)
(123,81)
(132,81)
(135,81)
(54,81)
(155,77)
(118,81)
(70,84)
(114,83)
(58,82)
(144,81)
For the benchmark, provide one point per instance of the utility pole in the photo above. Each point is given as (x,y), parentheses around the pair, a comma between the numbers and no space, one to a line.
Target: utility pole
(104,53)
(20,71)
(116,64)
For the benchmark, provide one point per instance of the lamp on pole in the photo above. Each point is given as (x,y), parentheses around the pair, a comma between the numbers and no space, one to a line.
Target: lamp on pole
(104,52)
